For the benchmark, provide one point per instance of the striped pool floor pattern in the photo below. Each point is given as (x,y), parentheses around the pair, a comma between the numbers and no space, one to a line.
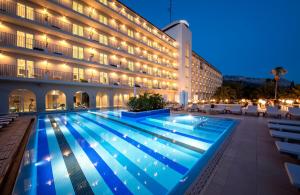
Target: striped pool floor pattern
(87,153)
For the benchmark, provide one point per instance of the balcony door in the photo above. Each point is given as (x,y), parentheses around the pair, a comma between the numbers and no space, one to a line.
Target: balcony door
(25,68)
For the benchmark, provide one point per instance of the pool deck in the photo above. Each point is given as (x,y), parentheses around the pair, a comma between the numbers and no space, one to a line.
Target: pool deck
(13,139)
(250,163)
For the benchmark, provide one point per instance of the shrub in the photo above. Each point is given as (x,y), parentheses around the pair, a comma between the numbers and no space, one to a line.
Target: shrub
(146,102)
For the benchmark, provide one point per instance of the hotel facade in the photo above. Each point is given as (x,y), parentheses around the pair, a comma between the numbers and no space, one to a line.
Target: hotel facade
(65,55)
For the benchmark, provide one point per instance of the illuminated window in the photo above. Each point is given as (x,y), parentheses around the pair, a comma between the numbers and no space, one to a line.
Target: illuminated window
(25,68)
(149,84)
(131,81)
(102,19)
(24,40)
(130,49)
(25,11)
(78,52)
(103,1)
(150,57)
(78,74)
(130,32)
(77,7)
(78,30)
(103,39)
(103,78)
(150,70)
(159,72)
(103,58)
(149,43)
(130,17)
(187,55)
(130,65)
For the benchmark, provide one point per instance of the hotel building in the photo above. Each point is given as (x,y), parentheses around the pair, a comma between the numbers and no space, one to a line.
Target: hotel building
(65,55)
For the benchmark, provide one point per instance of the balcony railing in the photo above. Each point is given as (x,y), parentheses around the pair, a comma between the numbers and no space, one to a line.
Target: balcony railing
(12,40)
(12,71)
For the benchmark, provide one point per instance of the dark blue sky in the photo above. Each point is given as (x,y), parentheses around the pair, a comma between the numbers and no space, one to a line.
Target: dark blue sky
(239,37)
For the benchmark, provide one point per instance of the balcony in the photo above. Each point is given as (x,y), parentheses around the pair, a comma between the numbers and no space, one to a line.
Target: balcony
(11,40)
(38,74)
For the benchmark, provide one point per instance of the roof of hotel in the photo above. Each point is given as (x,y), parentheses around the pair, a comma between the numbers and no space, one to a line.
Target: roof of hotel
(145,19)
(197,55)
(175,23)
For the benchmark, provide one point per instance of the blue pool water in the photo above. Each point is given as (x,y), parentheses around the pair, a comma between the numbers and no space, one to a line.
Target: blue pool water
(101,152)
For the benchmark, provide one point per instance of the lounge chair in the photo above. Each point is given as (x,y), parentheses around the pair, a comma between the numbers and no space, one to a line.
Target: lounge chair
(4,123)
(204,108)
(6,119)
(293,113)
(273,112)
(193,108)
(285,135)
(235,109)
(285,147)
(285,122)
(252,110)
(293,172)
(178,107)
(218,109)
(284,127)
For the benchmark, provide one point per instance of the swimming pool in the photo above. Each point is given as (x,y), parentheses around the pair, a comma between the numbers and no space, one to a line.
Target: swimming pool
(101,152)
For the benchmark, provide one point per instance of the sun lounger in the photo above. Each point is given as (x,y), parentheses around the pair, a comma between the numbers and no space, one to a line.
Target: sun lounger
(284,127)
(218,109)
(3,123)
(285,135)
(178,107)
(285,122)
(193,108)
(235,109)
(204,108)
(294,113)
(288,148)
(6,119)
(293,172)
(252,110)
(273,112)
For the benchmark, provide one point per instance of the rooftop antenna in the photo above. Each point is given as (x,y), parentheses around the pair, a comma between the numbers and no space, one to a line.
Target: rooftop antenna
(170,10)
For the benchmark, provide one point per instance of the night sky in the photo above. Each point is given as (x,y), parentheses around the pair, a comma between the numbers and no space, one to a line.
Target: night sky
(239,37)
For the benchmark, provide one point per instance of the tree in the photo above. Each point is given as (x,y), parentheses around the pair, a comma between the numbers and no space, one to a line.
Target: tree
(278,72)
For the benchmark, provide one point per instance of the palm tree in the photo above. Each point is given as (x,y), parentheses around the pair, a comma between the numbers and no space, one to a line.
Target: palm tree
(277,72)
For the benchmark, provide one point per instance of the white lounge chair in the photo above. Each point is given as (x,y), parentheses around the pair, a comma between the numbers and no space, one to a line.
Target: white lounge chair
(204,108)
(285,122)
(293,172)
(4,123)
(6,119)
(218,108)
(284,127)
(235,109)
(288,148)
(273,112)
(252,110)
(294,113)
(193,108)
(178,107)
(285,135)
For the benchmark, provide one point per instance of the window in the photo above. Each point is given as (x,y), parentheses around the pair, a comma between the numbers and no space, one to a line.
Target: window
(103,1)
(131,81)
(24,40)
(77,7)
(149,43)
(150,57)
(130,49)
(103,58)
(130,17)
(103,39)
(78,52)
(130,32)
(25,11)
(78,74)
(25,68)
(78,30)
(102,19)
(103,78)
(187,55)
(130,65)
(149,84)
(150,70)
